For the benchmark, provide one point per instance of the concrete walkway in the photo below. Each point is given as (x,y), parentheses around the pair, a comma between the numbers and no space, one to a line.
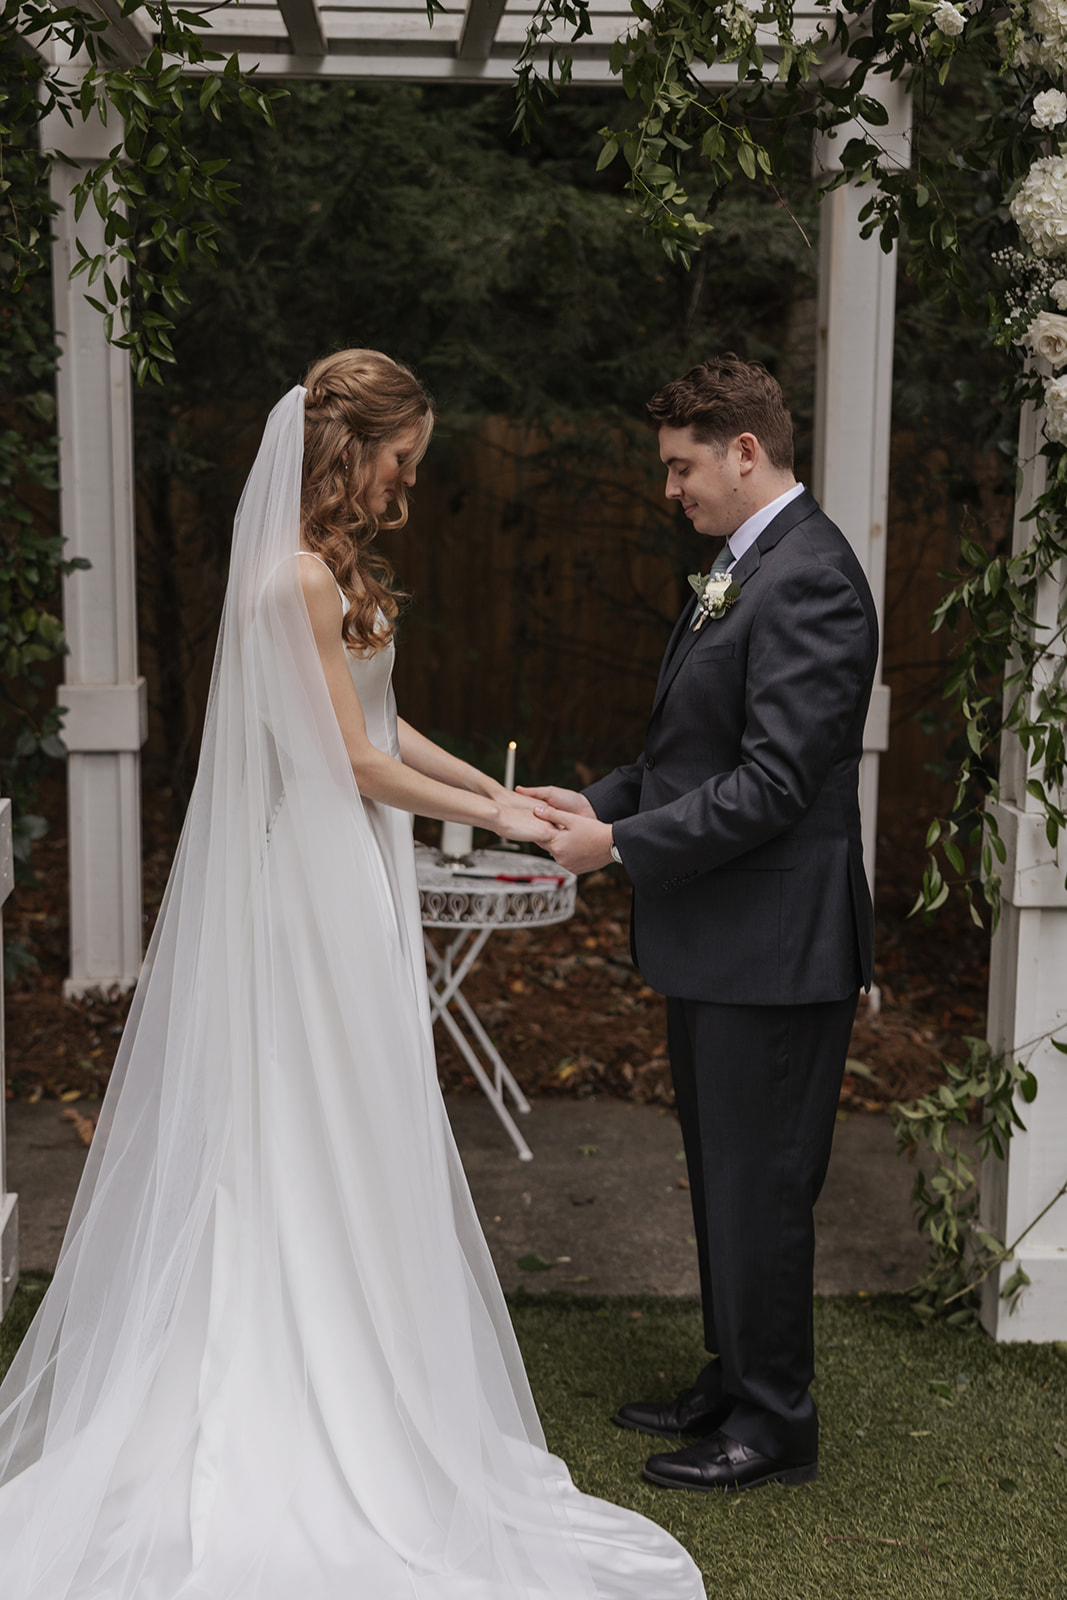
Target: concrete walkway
(603,1203)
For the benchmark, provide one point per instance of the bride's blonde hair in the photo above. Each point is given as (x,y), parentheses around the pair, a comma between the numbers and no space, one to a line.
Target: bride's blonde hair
(356,402)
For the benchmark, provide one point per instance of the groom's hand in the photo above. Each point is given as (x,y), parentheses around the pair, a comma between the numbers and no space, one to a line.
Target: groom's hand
(568,800)
(582,844)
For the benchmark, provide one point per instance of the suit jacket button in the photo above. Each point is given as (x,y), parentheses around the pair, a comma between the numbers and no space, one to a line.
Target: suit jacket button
(650,762)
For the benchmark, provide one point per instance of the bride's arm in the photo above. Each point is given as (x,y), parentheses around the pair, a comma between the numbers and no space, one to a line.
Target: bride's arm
(434,762)
(377,775)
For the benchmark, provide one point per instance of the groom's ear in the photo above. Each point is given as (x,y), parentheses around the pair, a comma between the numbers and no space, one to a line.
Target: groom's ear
(749,450)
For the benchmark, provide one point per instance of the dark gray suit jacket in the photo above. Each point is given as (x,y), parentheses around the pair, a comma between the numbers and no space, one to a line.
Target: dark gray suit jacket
(739,823)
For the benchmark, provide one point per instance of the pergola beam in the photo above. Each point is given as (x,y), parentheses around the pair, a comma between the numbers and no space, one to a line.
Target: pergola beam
(124,34)
(125,37)
(303,24)
(480,23)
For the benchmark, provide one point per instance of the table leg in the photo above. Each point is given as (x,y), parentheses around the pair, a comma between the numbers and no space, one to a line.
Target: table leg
(444,981)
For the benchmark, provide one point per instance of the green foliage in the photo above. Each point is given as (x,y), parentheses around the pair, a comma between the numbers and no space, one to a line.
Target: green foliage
(156,197)
(31,552)
(511,275)
(681,128)
(1008,677)
(157,200)
(962,1255)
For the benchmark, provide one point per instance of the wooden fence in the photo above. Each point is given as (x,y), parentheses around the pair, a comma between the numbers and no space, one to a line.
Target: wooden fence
(545,574)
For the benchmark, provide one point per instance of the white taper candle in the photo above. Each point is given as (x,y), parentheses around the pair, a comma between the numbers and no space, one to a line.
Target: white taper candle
(457,839)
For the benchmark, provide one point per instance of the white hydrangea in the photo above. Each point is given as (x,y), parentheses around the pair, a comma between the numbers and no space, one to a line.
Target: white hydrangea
(948,19)
(1040,206)
(1056,409)
(1048,22)
(1058,293)
(1050,108)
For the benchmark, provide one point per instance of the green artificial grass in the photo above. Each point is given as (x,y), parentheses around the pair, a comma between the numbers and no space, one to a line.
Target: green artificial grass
(943,1464)
(20,1314)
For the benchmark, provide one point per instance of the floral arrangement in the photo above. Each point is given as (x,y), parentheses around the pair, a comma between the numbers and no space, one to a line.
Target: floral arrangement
(1033,41)
(715,592)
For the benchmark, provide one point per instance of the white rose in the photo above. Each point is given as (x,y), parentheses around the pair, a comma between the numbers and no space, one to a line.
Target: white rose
(1047,336)
(715,594)
(1058,293)
(948,19)
(1056,410)
(1040,206)
(1050,108)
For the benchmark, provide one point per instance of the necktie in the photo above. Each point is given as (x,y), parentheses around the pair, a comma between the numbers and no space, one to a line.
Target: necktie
(722,560)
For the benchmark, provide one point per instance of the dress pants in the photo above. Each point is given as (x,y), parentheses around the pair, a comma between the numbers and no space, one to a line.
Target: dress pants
(757,1090)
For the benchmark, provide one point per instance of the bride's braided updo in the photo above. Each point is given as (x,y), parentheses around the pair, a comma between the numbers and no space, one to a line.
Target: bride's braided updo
(356,401)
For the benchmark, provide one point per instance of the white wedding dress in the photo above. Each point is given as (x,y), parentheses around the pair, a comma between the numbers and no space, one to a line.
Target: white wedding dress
(275,1361)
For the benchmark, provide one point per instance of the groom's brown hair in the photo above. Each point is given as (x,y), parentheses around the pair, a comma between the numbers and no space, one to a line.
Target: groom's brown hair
(726,396)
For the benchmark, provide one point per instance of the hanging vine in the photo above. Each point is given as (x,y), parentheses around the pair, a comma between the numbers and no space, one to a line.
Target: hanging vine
(159,201)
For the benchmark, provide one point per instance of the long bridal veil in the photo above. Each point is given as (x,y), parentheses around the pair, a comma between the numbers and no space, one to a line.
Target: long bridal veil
(274,1359)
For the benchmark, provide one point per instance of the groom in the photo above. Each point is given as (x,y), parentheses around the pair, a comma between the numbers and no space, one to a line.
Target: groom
(739,828)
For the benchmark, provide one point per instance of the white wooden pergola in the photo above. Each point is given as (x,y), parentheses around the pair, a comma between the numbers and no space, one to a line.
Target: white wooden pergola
(384,40)
(392,41)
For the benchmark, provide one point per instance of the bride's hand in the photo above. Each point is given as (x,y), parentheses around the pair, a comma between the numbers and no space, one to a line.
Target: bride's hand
(523,827)
(559,799)
(511,799)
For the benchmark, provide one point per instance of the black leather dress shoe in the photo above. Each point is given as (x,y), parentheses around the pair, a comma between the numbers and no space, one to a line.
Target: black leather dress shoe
(691,1413)
(723,1463)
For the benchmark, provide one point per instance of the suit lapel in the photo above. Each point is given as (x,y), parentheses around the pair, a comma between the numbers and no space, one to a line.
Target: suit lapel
(683,639)
(676,639)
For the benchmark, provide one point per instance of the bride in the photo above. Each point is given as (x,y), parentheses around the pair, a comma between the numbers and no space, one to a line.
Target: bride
(274,1361)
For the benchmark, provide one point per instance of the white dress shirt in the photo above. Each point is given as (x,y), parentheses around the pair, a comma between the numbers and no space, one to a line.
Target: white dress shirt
(744,537)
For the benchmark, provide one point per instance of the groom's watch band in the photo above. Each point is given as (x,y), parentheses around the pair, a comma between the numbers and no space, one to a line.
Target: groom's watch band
(615,856)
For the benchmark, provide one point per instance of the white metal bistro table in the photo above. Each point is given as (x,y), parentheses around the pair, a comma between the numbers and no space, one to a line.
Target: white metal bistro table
(471,908)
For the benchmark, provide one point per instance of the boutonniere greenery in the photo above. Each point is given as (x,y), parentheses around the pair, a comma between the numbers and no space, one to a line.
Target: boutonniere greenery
(716,593)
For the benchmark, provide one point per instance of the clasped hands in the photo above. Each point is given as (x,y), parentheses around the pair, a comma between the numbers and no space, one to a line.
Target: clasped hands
(560,821)
(578,839)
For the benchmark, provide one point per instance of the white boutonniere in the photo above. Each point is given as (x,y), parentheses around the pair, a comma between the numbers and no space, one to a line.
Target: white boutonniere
(716,594)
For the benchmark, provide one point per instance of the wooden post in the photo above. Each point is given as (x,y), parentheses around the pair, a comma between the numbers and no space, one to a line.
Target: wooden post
(104,696)
(9,1203)
(1028,999)
(853,392)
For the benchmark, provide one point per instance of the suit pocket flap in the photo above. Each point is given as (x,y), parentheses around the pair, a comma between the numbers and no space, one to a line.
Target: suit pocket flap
(713,652)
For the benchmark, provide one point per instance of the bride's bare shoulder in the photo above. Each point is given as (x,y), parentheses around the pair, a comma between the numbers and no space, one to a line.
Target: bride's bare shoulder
(316,576)
(306,584)
(318,583)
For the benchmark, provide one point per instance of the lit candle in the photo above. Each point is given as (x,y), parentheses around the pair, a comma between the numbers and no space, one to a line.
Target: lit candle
(509,767)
